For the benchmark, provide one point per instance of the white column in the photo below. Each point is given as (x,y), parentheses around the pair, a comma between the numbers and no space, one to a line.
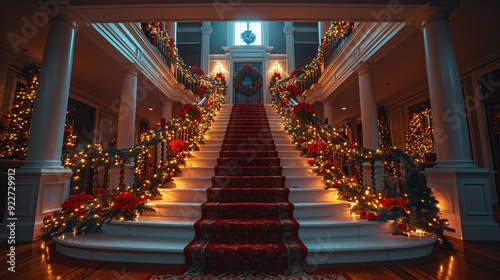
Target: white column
(170,28)
(206,30)
(49,110)
(369,122)
(323,26)
(462,188)
(290,46)
(328,112)
(126,122)
(42,184)
(368,105)
(126,115)
(166,112)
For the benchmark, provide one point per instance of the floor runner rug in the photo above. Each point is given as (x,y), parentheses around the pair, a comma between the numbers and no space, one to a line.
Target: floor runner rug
(247,227)
(338,276)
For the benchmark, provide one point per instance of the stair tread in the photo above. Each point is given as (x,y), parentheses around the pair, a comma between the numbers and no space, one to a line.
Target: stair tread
(125,243)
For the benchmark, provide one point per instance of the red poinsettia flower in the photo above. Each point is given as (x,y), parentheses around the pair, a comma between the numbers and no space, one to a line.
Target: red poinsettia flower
(76,200)
(192,110)
(171,42)
(247,68)
(126,201)
(237,84)
(201,90)
(276,75)
(198,70)
(256,84)
(177,145)
(294,89)
(398,202)
(296,71)
(303,110)
(284,102)
(219,75)
(315,148)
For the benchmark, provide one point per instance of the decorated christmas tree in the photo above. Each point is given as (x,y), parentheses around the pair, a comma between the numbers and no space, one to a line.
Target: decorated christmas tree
(15,144)
(69,144)
(419,140)
(384,135)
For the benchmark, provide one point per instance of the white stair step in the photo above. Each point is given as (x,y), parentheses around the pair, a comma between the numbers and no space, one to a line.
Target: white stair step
(105,247)
(383,247)
(200,162)
(279,147)
(304,182)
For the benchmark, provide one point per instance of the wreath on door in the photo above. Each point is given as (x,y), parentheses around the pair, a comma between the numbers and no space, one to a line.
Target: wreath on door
(247,80)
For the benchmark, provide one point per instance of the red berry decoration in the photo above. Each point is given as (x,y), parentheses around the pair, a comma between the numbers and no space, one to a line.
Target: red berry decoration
(336,183)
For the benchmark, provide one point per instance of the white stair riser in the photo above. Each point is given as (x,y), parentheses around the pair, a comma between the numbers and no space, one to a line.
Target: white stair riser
(300,211)
(122,255)
(166,230)
(341,230)
(279,147)
(210,171)
(200,162)
(177,210)
(184,195)
(195,195)
(206,182)
(221,135)
(220,141)
(320,210)
(312,195)
(216,154)
(329,255)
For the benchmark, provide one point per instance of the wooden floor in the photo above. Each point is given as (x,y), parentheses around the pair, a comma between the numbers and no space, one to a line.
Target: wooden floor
(471,260)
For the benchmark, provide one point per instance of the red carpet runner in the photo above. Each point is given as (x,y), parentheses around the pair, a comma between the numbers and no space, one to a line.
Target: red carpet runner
(247,226)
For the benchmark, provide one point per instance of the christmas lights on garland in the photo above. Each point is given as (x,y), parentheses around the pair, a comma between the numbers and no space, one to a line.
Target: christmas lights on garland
(84,213)
(338,161)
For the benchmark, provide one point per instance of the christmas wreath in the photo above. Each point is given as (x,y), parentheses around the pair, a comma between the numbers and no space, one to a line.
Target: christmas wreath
(248,37)
(247,80)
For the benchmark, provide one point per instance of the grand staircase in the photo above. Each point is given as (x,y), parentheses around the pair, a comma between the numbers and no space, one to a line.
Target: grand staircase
(327,229)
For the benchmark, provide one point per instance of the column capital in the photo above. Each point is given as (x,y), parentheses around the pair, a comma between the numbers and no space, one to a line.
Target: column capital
(435,10)
(206,30)
(288,30)
(65,16)
(129,68)
(364,68)
(166,101)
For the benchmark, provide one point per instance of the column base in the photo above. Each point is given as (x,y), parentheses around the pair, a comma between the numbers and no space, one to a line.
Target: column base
(465,200)
(37,192)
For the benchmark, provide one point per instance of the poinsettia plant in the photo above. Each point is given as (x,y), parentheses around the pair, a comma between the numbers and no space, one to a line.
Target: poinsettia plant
(202,90)
(192,110)
(303,112)
(197,70)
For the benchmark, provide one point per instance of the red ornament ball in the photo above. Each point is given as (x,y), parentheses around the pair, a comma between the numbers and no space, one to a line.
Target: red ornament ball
(172,174)
(311,161)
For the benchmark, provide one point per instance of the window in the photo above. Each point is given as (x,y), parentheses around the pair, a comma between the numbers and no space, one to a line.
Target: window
(254,26)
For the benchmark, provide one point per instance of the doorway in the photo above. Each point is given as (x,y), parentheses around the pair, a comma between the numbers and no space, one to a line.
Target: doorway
(489,89)
(239,98)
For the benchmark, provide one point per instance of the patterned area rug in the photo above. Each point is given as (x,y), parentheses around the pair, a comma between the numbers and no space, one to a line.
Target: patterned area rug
(247,227)
(340,276)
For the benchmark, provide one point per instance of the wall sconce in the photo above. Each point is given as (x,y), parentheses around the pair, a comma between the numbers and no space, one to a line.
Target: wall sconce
(276,70)
(219,70)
